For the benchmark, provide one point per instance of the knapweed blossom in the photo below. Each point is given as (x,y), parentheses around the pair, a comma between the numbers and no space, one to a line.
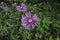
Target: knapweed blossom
(29,21)
(2,3)
(21,7)
(5,8)
(14,4)
(1,6)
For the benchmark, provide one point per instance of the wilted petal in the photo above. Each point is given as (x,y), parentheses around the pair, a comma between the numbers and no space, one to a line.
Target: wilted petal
(28,14)
(35,17)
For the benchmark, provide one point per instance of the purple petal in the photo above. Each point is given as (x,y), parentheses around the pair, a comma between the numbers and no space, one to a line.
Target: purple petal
(5,8)
(24,17)
(35,17)
(24,25)
(23,21)
(23,5)
(14,4)
(1,6)
(18,8)
(2,3)
(28,26)
(34,25)
(28,14)
(21,8)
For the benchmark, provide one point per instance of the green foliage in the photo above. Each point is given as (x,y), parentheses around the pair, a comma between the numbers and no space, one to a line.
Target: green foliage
(46,23)
(57,38)
(50,38)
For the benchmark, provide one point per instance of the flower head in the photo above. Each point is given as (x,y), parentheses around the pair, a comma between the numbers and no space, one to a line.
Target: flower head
(14,4)
(2,3)
(1,6)
(21,7)
(5,8)
(29,21)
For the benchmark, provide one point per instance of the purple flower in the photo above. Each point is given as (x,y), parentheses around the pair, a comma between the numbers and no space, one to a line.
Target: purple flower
(1,6)
(29,21)
(21,7)
(2,3)
(5,8)
(14,4)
